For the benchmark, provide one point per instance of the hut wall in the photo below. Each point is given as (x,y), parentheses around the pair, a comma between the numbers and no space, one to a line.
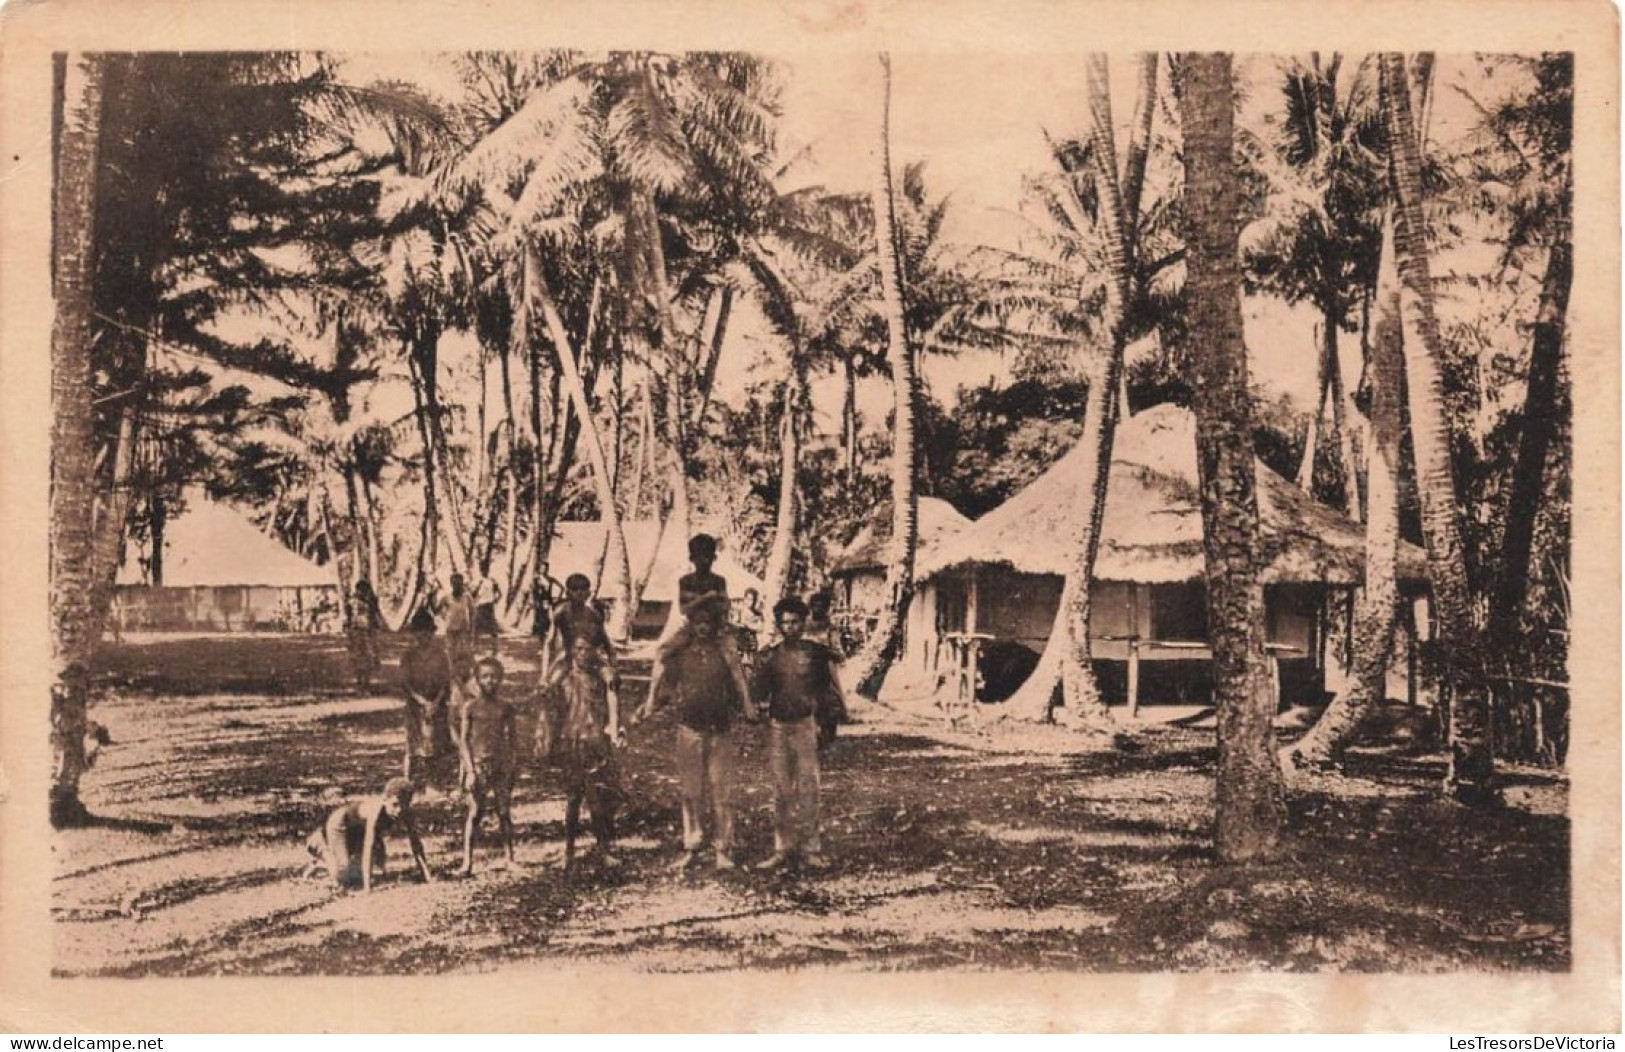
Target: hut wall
(221,608)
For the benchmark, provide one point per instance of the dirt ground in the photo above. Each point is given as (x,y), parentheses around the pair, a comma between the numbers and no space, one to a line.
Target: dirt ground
(1015,848)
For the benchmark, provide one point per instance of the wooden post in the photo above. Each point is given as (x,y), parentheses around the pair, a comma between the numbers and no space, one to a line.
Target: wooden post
(973,657)
(1412,666)
(1133,649)
(1133,676)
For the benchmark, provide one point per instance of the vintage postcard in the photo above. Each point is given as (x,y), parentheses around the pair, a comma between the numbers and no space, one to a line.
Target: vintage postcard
(823,516)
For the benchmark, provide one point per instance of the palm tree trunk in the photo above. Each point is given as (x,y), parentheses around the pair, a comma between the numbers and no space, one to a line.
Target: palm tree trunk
(1068,658)
(72,491)
(1311,442)
(1340,422)
(565,357)
(421,403)
(1539,425)
(1470,778)
(777,579)
(1377,609)
(886,643)
(713,352)
(111,522)
(1249,805)
(849,418)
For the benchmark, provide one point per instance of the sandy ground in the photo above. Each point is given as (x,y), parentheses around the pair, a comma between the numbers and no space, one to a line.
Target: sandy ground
(1014,847)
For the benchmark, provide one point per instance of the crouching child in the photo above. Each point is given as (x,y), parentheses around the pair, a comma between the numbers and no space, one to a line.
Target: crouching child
(351,843)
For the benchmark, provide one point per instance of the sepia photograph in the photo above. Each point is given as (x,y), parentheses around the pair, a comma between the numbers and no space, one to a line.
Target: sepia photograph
(804,511)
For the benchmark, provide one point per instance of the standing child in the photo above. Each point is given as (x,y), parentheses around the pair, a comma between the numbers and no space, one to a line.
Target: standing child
(488,753)
(459,626)
(699,669)
(587,714)
(486,595)
(351,843)
(795,680)
(431,754)
(572,619)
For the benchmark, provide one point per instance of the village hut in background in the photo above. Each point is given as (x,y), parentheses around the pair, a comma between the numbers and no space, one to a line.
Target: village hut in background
(660,557)
(217,572)
(858,573)
(989,593)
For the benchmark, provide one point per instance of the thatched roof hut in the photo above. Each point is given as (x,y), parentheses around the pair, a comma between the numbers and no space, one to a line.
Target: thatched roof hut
(1152,530)
(939,520)
(211,545)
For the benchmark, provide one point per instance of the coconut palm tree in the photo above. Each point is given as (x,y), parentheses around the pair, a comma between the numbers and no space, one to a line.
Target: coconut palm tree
(1249,804)
(72,442)
(1376,610)
(1110,208)
(1470,778)
(880,651)
(1316,238)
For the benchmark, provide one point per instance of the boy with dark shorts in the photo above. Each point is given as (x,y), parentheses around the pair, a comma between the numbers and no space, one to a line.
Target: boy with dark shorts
(700,672)
(586,726)
(575,618)
(431,754)
(351,843)
(488,753)
(795,680)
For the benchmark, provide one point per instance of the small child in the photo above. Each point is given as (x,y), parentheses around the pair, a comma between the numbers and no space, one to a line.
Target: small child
(586,709)
(486,744)
(350,844)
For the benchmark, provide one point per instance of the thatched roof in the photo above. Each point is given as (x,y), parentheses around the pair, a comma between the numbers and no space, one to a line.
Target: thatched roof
(1152,531)
(211,545)
(939,520)
(578,547)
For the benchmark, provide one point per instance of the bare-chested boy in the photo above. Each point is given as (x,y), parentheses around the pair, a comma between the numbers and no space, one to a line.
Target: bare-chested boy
(486,743)
(431,756)
(354,833)
(574,618)
(587,712)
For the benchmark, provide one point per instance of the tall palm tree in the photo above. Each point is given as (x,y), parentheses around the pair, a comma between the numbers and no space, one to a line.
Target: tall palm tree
(1376,611)
(1376,608)
(72,442)
(1250,807)
(1470,778)
(1316,240)
(1067,661)
(871,665)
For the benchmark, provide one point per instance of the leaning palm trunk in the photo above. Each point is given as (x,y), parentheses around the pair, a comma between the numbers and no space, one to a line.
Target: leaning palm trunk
(108,538)
(871,666)
(1068,658)
(1539,425)
(1471,772)
(619,563)
(777,579)
(1377,610)
(72,493)
(1249,802)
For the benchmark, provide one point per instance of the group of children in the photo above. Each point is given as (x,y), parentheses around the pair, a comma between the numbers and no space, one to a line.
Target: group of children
(459,724)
